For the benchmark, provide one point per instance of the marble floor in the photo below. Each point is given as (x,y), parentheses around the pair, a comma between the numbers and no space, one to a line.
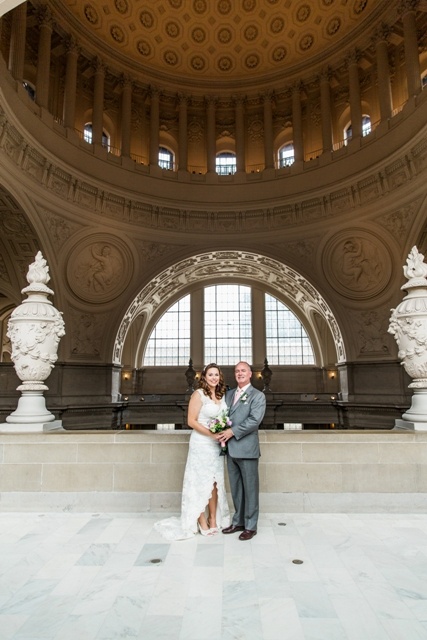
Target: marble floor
(78,576)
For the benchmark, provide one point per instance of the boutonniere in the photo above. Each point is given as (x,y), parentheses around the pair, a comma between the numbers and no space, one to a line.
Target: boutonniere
(244,397)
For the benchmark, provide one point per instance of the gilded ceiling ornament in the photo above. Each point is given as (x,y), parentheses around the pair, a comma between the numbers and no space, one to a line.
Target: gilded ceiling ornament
(170,57)
(224,7)
(277,25)
(303,13)
(359,6)
(333,26)
(199,35)
(252,61)
(200,6)
(144,48)
(251,32)
(306,42)
(279,54)
(121,6)
(176,4)
(198,63)
(146,19)
(117,34)
(249,5)
(225,63)
(173,29)
(91,14)
(224,35)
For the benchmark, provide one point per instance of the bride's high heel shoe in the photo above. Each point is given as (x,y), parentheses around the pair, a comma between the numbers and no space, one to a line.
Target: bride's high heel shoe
(213,530)
(204,532)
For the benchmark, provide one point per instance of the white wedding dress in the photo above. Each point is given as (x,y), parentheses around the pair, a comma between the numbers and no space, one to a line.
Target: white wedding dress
(204,468)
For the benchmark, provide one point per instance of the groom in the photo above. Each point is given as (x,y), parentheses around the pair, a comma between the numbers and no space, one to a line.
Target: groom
(246,408)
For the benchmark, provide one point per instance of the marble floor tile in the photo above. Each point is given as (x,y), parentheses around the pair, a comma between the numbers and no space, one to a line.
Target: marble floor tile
(83,576)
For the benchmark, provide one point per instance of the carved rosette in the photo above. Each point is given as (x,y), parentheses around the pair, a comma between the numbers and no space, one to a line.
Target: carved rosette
(34,329)
(408,322)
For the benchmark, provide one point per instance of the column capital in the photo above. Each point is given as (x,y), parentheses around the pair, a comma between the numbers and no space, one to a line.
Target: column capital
(297,87)
(183,99)
(325,74)
(381,33)
(99,65)
(211,101)
(125,81)
(45,17)
(239,100)
(71,45)
(406,6)
(352,57)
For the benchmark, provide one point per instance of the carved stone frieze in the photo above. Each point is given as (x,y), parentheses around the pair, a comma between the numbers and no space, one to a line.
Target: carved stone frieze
(87,331)
(398,222)
(372,331)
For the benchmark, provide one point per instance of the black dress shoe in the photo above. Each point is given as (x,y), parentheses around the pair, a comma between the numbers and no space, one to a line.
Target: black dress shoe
(233,528)
(247,534)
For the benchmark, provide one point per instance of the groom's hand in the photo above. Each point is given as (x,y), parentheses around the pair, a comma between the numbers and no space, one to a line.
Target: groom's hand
(224,436)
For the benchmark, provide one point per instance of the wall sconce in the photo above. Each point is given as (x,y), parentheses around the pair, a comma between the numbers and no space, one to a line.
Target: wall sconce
(331,375)
(260,376)
(126,376)
(197,376)
(126,398)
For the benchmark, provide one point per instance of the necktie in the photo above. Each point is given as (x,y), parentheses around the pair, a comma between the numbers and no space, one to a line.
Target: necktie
(237,395)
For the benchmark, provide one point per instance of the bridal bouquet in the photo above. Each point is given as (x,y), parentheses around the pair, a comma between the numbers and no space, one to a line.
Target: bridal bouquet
(218,424)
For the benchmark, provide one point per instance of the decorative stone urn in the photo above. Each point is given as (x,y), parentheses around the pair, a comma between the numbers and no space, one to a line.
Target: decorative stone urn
(408,324)
(34,329)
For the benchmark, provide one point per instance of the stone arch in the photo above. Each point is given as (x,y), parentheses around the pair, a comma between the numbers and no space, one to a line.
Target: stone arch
(242,266)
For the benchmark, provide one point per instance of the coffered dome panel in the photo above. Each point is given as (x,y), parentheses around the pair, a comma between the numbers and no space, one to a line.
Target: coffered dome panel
(219,40)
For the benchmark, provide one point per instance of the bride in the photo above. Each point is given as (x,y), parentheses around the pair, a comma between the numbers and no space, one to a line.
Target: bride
(204,506)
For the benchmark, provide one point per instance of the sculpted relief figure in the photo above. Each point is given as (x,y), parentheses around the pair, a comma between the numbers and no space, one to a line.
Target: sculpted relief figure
(358,265)
(99,269)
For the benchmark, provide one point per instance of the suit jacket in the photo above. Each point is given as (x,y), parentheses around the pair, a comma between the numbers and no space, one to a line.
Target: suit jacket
(246,416)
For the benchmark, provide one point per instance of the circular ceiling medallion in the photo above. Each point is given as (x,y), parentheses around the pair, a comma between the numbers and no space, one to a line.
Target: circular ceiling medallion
(99,268)
(357,265)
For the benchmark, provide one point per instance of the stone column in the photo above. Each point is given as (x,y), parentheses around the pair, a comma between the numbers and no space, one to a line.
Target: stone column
(17,41)
(98,101)
(126,115)
(183,133)
(240,134)
(69,109)
(43,63)
(297,122)
(268,131)
(325,108)
(355,99)
(383,71)
(154,126)
(211,134)
(412,62)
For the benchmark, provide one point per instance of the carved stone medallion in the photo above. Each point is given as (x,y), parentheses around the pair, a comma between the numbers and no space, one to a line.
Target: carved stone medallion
(99,268)
(357,265)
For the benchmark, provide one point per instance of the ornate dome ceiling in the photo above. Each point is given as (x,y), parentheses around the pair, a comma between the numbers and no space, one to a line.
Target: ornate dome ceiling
(221,42)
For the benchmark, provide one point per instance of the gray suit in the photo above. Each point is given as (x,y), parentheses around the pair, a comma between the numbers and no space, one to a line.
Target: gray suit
(243,455)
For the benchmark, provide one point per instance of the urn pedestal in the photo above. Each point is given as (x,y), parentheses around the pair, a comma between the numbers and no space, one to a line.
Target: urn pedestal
(408,324)
(34,329)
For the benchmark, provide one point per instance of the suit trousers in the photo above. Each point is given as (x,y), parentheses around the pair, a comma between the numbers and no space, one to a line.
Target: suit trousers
(244,485)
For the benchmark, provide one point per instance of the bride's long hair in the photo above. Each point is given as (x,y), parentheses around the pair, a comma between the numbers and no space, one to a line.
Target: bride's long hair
(220,388)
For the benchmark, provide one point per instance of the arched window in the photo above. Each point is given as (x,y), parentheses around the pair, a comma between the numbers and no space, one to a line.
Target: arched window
(287,340)
(366,129)
(228,323)
(286,155)
(166,159)
(169,342)
(88,136)
(226,164)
